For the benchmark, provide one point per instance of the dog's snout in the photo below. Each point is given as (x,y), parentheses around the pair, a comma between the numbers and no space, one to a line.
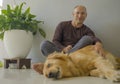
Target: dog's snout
(51,75)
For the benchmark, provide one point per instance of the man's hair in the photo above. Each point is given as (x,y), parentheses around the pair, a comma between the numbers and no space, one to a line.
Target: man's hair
(80,6)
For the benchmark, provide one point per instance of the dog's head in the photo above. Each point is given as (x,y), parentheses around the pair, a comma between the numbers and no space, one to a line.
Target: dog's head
(56,65)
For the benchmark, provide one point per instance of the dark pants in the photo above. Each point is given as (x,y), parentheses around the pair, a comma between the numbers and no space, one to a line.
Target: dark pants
(48,47)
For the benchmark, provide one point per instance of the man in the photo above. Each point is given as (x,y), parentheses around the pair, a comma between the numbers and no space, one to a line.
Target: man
(71,36)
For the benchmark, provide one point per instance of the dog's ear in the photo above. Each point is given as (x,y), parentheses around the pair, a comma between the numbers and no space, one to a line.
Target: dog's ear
(57,55)
(38,67)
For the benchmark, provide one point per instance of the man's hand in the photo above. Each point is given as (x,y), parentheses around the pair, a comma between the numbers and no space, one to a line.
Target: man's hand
(66,49)
(99,49)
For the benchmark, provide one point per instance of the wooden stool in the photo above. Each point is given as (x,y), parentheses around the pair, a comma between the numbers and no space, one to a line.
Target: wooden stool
(17,63)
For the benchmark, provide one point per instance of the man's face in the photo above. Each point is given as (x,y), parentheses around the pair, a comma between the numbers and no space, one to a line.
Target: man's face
(79,14)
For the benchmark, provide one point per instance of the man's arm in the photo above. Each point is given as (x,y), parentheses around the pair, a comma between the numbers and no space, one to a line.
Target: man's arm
(97,43)
(58,35)
(99,48)
(89,32)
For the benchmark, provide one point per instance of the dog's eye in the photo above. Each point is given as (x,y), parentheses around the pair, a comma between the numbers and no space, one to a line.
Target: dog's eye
(48,65)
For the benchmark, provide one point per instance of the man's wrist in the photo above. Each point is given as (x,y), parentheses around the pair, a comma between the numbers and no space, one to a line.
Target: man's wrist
(99,44)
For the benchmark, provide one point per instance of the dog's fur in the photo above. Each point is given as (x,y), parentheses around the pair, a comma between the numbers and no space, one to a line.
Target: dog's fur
(84,62)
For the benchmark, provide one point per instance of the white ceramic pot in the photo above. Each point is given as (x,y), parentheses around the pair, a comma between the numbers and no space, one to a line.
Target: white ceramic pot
(18,43)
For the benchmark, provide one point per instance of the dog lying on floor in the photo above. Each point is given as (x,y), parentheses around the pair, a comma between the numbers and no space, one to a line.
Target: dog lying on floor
(83,62)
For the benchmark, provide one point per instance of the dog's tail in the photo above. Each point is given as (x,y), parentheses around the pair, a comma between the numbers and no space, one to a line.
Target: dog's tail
(118,62)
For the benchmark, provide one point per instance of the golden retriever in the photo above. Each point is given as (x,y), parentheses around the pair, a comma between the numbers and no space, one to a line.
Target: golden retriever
(83,62)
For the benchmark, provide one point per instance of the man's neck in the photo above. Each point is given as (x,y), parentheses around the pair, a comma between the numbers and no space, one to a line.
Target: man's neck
(76,24)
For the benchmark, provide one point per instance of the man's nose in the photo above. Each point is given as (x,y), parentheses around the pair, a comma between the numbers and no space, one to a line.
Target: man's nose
(79,15)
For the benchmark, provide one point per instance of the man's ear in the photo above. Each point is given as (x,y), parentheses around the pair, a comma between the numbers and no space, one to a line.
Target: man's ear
(86,15)
(73,13)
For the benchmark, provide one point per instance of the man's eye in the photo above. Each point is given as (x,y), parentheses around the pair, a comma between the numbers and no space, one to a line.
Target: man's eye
(48,65)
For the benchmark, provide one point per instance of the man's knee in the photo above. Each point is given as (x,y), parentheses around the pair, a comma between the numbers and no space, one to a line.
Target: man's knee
(44,44)
(87,39)
(45,47)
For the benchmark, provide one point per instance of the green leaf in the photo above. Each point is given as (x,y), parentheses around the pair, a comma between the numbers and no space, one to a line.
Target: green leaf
(27,12)
(16,10)
(42,32)
(1,35)
(4,12)
(20,9)
(1,64)
(8,10)
(32,16)
(15,18)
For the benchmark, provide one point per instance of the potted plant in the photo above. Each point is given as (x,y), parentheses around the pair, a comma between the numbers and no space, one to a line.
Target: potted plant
(14,25)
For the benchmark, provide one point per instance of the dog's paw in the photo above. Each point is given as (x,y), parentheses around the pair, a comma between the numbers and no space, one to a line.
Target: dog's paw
(114,76)
(117,77)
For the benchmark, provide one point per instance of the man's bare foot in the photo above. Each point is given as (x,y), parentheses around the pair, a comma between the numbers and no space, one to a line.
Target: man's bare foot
(38,67)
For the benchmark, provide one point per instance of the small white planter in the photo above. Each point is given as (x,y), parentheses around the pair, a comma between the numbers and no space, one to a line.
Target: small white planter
(17,43)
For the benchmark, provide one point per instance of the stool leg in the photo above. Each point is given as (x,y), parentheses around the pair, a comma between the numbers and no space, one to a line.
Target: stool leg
(25,62)
(6,63)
